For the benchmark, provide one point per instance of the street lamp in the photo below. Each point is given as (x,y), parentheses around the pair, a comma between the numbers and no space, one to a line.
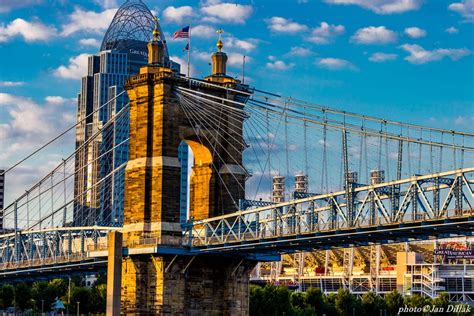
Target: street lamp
(68,296)
(78,307)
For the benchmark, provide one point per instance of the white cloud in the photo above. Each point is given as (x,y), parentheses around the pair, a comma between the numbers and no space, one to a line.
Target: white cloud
(299,51)
(335,64)
(184,66)
(203,56)
(418,55)
(89,42)
(465,8)
(465,121)
(279,65)
(76,69)
(177,14)
(30,31)
(11,83)
(452,30)
(381,57)
(30,123)
(415,32)
(226,12)
(107,4)
(246,45)
(281,25)
(88,21)
(58,100)
(374,35)
(26,126)
(325,33)
(382,6)
(8,5)
(236,59)
(202,31)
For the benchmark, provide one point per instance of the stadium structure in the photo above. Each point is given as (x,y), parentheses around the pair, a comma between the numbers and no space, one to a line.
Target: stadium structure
(426,268)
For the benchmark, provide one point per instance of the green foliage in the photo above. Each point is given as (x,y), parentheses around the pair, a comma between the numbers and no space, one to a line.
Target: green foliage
(44,294)
(394,301)
(7,294)
(275,301)
(315,298)
(346,303)
(372,304)
(298,300)
(416,301)
(23,296)
(256,300)
(442,301)
(81,296)
(99,297)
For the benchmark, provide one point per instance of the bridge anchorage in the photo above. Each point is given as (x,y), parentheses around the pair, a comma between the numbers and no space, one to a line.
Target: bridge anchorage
(366,192)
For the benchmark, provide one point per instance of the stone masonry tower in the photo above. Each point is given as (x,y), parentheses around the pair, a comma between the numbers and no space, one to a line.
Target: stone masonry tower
(158,275)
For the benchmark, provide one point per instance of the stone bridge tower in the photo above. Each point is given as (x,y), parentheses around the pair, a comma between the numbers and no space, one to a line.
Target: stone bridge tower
(158,276)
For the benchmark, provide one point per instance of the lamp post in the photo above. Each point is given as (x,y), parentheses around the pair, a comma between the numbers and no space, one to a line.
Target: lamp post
(68,296)
(42,306)
(78,307)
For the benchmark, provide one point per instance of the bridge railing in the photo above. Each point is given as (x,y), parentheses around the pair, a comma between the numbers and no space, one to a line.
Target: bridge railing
(22,249)
(447,195)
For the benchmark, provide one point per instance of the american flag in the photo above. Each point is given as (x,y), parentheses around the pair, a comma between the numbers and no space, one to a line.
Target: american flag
(183,33)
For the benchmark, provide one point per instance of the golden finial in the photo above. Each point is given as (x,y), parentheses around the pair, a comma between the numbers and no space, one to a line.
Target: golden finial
(156,33)
(219,41)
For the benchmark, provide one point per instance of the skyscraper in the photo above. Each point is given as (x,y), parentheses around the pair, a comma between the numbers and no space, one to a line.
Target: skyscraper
(103,148)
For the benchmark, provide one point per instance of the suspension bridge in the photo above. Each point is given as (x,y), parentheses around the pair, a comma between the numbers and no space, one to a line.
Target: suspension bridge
(46,226)
(360,180)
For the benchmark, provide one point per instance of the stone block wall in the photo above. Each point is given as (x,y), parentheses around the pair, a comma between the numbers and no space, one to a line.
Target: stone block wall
(205,285)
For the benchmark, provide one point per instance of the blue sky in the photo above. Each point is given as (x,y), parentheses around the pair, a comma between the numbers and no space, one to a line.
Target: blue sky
(409,60)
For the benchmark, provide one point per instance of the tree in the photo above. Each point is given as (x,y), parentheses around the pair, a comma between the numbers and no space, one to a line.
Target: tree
(346,303)
(329,305)
(315,298)
(394,301)
(417,301)
(82,295)
(7,293)
(298,300)
(372,304)
(44,293)
(282,301)
(22,296)
(99,298)
(442,301)
(256,300)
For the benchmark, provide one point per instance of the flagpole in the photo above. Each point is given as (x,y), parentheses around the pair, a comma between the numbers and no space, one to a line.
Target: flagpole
(189,48)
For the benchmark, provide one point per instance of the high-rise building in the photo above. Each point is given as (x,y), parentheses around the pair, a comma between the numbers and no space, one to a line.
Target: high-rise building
(2,196)
(99,197)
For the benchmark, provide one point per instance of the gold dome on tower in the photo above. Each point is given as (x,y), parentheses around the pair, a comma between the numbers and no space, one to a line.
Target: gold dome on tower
(219,63)
(155,47)
(219,45)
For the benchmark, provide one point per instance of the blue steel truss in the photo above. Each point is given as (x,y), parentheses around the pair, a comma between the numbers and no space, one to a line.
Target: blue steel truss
(51,247)
(420,207)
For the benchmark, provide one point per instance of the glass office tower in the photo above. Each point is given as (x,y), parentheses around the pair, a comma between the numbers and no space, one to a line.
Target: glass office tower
(102,146)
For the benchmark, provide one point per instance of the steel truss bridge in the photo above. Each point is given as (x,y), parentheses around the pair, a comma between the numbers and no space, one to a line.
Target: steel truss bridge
(53,229)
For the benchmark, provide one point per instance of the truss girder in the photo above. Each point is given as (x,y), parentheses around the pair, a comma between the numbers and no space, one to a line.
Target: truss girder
(411,200)
(50,246)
